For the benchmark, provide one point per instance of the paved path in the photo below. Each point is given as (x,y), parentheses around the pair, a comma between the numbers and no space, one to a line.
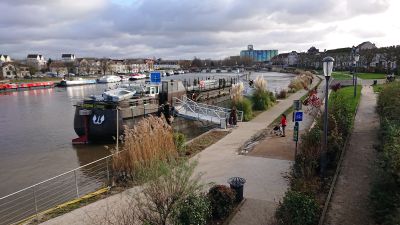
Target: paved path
(349,204)
(265,182)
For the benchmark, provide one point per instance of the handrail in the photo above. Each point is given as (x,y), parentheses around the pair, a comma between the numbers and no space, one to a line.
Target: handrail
(204,109)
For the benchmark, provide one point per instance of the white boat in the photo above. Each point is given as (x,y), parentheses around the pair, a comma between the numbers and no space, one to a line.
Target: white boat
(109,79)
(137,76)
(124,78)
(118,94)
(75,82)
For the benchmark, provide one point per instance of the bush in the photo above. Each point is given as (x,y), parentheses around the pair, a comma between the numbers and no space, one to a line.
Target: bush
(282,94)
(261,100)
(385,193)
(222,200)
(180,140)
(297,209)
(245,106)
(195,209)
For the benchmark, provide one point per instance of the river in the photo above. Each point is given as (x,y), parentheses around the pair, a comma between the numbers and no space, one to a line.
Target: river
(36,129)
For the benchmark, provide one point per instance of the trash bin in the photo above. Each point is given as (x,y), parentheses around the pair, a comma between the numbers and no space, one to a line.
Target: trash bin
(237,184)
(375,82)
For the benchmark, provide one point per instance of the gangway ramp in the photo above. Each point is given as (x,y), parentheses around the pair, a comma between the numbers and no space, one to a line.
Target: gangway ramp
(189,109)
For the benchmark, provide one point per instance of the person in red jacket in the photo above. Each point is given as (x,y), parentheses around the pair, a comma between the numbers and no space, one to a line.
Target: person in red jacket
(283,124)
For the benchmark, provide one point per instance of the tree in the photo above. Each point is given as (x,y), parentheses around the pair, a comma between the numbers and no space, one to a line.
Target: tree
(104,65)
(32,70)
(196,62)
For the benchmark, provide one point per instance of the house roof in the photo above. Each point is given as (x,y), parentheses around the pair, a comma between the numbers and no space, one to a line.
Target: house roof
(67,55)
(33,56)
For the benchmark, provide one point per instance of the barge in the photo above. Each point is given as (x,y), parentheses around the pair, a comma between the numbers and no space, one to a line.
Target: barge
(101,118)
(25,86)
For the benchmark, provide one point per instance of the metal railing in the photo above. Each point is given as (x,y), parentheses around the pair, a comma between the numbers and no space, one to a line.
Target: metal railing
(200,111)
(45,195)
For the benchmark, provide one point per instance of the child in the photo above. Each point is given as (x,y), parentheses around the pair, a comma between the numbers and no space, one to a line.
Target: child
(283,124)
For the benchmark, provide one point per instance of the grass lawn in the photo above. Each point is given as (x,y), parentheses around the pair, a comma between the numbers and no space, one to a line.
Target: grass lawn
(341,76)
(371,76)
(348,96)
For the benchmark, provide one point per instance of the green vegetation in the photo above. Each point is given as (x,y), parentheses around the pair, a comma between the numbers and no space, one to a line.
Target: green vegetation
(341,76)
(195,209)
(245,105)
(306,185)
(222,201)
(371,76)
(298,209)
(385,193)
(378,88)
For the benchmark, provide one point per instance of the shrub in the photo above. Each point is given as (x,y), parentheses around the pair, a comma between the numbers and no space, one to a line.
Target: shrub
(180,140)
(261,100)
(222,200)
(282,94)
(195,209)
(307,160)
(297,209)
(245,106)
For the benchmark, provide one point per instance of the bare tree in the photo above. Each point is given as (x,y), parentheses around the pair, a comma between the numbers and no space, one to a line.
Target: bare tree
(104,65)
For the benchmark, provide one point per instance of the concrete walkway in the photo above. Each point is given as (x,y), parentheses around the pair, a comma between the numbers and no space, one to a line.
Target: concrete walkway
(265,182)
(349,204)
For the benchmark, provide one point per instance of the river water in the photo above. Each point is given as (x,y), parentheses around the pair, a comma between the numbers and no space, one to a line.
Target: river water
(36,129)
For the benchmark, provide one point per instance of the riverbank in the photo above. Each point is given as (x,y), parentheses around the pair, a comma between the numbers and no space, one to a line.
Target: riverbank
(218,162)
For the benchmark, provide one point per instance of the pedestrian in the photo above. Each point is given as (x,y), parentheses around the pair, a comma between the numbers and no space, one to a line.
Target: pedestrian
(283,124)
(233,117)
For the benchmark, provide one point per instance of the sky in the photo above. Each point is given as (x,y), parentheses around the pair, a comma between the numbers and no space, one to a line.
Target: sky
(184,29)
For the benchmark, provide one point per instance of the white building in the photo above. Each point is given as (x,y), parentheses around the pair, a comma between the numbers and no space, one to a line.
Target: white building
(68,57)
(4,58)
(36,60)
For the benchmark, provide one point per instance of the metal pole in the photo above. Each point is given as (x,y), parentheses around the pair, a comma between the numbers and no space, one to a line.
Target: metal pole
(325,146)
(355,80)
(76,184)
(108,173)
(36,208)
(117,130)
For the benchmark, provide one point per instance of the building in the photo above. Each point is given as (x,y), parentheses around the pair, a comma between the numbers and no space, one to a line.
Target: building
(68,57)
(36,60)
(258,55)
(4,58)
(10,70)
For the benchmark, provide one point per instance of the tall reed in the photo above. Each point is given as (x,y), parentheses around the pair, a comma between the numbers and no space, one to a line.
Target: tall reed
(149,141)
(236,93)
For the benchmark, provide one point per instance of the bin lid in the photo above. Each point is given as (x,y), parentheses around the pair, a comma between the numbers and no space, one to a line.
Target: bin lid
(236,181)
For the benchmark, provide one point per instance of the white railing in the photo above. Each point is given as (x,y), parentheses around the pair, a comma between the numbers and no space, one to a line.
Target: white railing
(45,195)
(211,113)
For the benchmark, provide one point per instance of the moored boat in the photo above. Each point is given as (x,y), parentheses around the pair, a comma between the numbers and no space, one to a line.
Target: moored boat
(118,94)
(75,82)
(109,79)
(25,86)
(137,76)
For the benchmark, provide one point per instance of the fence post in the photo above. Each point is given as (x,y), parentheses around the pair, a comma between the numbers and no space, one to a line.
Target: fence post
(108,173)
(36,209)
(76,184)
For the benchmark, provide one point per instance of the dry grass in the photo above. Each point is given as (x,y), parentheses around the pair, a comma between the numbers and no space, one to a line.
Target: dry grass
(302,81)
(236,93)
(149,141)
(260,84)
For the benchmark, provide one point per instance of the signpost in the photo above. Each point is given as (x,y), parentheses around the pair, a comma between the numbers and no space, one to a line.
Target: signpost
(155,77)
(297,117)
(296,136)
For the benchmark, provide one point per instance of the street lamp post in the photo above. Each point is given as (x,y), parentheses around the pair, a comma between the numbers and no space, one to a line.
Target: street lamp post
(356,58)
(328,66)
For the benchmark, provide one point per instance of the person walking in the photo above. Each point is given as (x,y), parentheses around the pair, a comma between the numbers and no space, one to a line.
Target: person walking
(283,124)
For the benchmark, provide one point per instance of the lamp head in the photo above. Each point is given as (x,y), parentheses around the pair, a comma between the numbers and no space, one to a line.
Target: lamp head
(328,65)
(356,57)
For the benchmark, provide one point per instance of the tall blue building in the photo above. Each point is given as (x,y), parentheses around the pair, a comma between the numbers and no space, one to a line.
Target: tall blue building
(258,55)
